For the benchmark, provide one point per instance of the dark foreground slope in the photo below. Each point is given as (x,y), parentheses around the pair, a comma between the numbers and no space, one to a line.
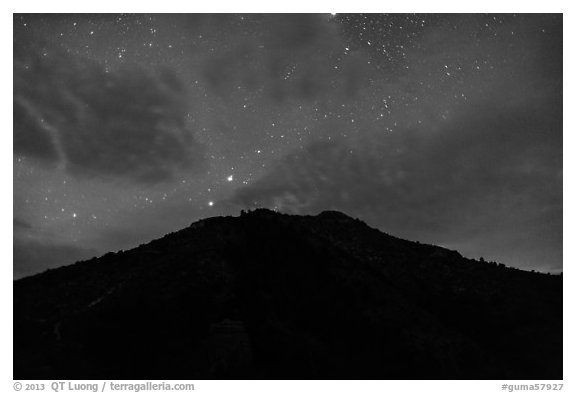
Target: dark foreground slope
(274,296)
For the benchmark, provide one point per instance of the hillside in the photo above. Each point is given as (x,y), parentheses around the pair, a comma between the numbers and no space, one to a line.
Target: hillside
(274,296)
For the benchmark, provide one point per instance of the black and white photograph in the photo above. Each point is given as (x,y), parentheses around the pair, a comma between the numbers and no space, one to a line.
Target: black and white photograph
(288,196)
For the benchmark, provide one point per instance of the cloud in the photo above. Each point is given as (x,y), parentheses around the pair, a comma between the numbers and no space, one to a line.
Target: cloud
(487,171)
(286,57)
(20,224)
(127,123)
(30,138)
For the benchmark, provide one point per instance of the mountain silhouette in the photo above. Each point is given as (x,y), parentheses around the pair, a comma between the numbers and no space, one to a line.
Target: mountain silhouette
(275,296)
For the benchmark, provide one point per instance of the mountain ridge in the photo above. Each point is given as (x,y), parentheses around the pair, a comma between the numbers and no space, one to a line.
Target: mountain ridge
(278,296)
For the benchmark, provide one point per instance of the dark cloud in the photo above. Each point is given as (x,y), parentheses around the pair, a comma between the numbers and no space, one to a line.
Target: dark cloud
(30,137)
(287,57)
(488,171)
(20,224)
(125,123)
(33,256)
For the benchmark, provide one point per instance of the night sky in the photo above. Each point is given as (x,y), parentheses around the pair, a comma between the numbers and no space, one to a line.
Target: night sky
(446,129)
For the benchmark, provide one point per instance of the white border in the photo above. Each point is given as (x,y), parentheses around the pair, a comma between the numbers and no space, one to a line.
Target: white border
(180,6)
